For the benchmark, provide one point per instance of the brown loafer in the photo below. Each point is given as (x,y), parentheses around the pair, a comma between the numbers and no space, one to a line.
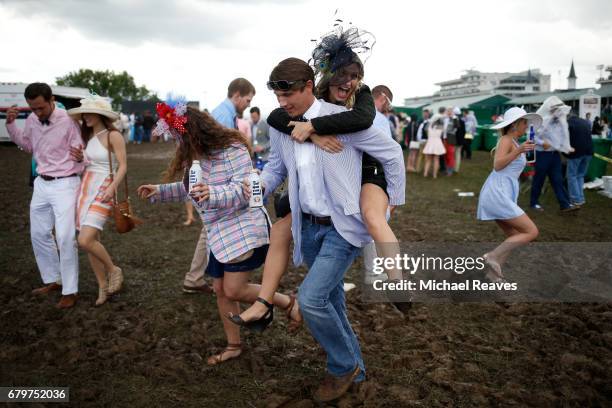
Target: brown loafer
(47,289)
(205,288)
(67,301)
(334,387)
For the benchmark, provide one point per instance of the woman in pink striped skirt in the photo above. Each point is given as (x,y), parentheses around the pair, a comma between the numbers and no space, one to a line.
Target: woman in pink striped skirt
(94,204)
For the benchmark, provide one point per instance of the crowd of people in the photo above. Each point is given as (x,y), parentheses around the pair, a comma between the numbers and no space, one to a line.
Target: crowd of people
(334,144)
(437,141)
(137,127)
(600,126)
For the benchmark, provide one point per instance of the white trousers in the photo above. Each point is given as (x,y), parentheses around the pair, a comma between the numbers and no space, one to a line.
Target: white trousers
(54,204)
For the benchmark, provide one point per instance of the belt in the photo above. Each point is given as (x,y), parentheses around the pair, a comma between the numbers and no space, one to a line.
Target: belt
(318,220)
(49,178)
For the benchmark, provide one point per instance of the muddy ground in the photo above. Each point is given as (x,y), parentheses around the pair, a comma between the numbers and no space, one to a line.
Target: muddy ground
(148,346)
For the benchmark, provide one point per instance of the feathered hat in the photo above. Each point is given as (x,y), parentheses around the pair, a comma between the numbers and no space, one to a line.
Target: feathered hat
(339,48)
(172,117)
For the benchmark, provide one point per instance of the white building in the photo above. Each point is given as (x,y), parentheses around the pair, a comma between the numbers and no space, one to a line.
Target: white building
(512,84)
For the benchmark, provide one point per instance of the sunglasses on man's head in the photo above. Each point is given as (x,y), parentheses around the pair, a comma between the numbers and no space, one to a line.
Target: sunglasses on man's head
(283,85)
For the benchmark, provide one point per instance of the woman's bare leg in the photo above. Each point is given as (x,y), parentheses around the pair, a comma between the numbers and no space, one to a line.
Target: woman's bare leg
(226,306)
(189,211)
(427,164)
(98,268)
(374,204)
(412,154)
(275,267)
(89,241)
(436,166)
(420,158)
(520,231)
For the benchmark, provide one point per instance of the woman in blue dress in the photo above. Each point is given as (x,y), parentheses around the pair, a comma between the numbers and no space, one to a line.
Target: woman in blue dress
(499,194)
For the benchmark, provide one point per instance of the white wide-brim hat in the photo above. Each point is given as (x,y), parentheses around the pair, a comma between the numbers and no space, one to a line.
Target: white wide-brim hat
(514,114)
(94,104)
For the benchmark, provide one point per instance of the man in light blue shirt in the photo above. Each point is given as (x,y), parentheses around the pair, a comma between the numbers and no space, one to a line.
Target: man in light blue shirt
(240,92)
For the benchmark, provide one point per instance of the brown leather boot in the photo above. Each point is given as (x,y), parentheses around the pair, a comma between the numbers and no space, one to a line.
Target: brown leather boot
(334,387)
(46,289)
(67,301)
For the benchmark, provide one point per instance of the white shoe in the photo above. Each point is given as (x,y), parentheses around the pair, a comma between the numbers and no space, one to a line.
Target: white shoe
(349,286)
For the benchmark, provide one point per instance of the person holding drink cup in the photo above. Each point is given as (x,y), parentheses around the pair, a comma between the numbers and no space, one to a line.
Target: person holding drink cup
(499,194)
(238,233)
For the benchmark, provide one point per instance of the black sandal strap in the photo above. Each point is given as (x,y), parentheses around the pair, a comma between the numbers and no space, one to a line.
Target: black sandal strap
(265,302)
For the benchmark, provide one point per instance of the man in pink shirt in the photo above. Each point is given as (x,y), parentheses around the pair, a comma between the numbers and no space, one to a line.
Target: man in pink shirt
(48,135)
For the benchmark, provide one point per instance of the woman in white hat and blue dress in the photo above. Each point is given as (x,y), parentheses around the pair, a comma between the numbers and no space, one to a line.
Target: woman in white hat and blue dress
(499,194)
(94,204)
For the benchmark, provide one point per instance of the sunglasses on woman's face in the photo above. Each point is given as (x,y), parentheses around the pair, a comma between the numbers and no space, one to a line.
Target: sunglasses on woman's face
(283,85)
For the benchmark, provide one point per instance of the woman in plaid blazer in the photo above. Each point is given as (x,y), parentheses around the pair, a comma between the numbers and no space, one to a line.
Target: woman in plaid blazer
(238,235)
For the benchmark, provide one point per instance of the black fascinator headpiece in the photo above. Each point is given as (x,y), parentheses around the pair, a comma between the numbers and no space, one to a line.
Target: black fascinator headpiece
(339,48)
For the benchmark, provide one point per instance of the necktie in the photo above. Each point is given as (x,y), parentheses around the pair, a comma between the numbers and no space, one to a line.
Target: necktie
(300,118)
(44,122)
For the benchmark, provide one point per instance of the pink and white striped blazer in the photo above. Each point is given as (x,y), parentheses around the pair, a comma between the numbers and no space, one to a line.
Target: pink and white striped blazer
(233,227)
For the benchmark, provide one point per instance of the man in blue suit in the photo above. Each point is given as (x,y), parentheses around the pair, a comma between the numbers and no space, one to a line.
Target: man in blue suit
(327,227)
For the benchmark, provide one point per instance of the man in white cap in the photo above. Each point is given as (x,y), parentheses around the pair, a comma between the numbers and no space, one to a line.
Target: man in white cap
(551,139)
(49,134)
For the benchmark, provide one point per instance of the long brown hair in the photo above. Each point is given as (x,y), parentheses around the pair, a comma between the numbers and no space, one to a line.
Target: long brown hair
(203,136)
(87,132)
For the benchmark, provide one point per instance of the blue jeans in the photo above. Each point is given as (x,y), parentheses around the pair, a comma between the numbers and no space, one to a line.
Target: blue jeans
(138,134)
(146,135)
(321,297)
(576,169)
(548,164)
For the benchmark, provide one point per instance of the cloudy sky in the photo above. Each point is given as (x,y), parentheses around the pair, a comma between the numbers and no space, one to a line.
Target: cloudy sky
(196,48)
